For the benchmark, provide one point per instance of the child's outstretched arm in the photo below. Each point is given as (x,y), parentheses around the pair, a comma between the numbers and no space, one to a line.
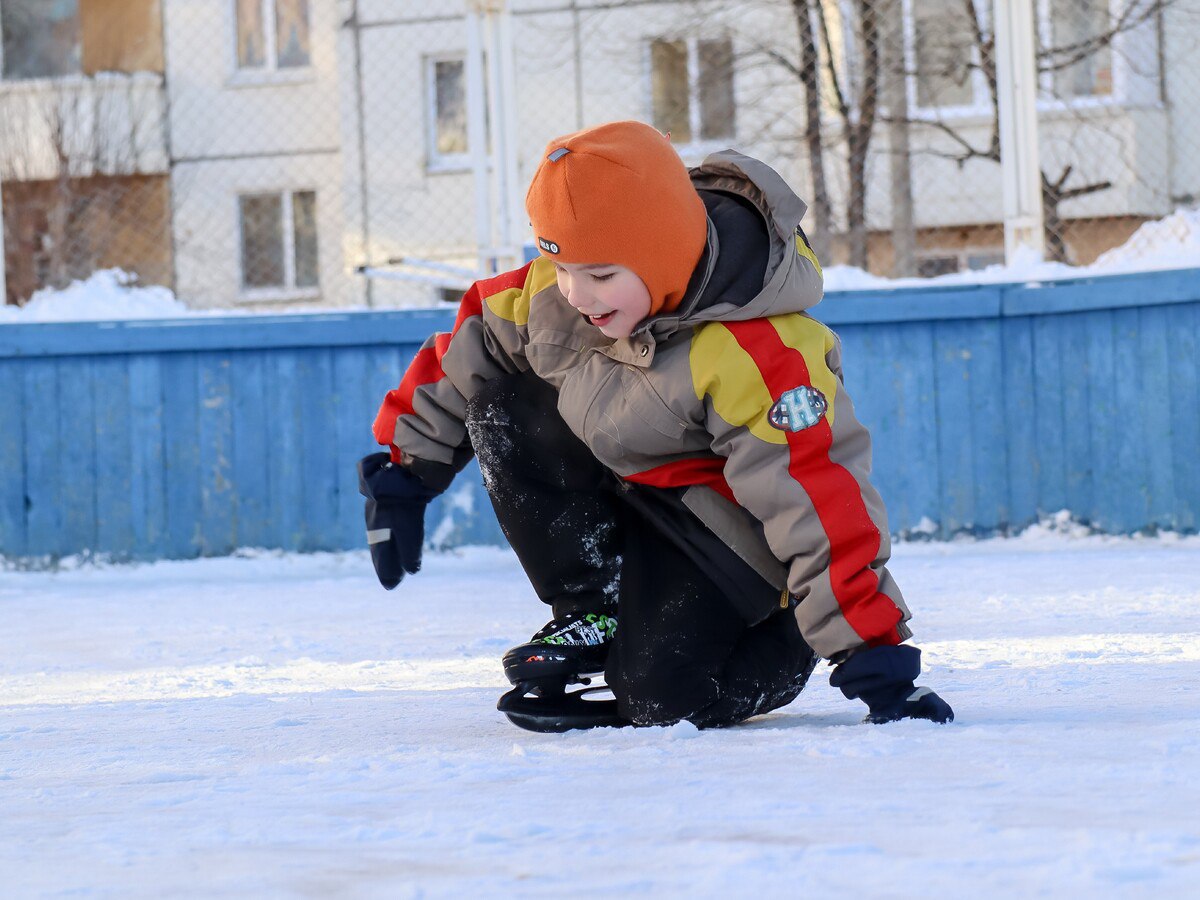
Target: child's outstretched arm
(422,422)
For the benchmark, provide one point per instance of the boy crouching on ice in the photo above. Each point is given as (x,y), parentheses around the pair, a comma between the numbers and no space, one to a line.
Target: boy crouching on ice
(667,443)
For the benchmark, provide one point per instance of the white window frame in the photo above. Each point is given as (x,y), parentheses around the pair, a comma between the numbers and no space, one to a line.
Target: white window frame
(962,256)
(436,161)
(288,290)
(270,72)
(697,146)
(979,105)
(1121,74)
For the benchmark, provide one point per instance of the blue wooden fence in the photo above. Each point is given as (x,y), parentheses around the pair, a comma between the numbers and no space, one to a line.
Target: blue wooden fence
(989,406)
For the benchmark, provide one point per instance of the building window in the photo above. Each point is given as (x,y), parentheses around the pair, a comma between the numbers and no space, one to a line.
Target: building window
(272,34)
(691,89)
(1084,66)
(279,241)
(933,266)
(932,263)
(943,50)
(447,111)
(1081,56)
(41,38)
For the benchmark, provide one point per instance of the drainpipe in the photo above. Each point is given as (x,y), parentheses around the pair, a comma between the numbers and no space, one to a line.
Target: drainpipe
(1020,166)
(504,118)
(3,254)
(477,143)
(497,178)
(360,127)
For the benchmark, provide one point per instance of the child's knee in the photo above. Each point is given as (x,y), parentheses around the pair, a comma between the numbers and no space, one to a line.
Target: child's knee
(664,697)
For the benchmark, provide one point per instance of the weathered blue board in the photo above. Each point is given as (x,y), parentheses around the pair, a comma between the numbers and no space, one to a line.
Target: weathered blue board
(989,406)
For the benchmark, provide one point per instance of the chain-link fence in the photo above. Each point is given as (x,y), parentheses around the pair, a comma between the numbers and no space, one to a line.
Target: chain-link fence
(351,152)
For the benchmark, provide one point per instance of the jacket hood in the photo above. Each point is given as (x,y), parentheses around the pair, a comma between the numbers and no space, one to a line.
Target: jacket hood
(751,268)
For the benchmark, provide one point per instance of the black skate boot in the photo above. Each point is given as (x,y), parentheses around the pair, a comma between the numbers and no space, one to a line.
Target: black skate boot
(563,653)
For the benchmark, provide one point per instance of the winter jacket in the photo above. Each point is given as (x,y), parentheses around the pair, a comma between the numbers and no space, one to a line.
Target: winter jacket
(736,397)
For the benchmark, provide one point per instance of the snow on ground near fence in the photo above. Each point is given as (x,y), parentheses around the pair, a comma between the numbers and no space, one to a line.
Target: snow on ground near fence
(280,726)
(1169,243)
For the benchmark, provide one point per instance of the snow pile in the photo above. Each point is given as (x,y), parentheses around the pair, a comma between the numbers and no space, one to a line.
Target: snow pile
(1026,266)
(1169,243)
(108,295)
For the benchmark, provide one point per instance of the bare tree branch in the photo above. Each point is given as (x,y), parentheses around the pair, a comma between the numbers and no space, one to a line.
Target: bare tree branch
(831,62)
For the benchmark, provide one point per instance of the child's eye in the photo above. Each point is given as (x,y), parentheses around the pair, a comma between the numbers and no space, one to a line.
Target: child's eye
(604,277)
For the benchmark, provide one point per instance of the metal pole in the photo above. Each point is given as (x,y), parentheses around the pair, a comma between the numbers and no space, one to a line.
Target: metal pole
(1021,172)
(477,139)
(3,254)
(360,129)
(512,207)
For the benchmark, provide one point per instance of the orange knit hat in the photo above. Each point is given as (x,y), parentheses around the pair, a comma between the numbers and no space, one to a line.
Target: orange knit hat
(619,193)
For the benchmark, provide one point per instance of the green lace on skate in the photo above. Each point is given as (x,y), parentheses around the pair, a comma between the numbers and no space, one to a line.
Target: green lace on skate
(605,628)
(606,624)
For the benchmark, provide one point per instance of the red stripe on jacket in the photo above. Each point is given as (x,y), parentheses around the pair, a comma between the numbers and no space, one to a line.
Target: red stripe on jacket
(707,471)
(854,539)
(426,367)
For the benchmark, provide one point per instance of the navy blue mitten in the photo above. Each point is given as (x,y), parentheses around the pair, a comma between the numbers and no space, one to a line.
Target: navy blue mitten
(395,514)
(884,679)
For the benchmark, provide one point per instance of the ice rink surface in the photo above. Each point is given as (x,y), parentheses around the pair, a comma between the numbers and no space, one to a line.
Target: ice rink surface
(279,726)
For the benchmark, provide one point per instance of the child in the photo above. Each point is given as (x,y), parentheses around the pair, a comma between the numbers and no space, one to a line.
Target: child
(667,443)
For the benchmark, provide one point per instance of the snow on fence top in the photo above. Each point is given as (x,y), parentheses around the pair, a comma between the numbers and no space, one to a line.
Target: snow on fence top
(1169,243)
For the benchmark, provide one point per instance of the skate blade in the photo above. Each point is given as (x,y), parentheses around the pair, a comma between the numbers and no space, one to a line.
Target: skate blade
(556,713)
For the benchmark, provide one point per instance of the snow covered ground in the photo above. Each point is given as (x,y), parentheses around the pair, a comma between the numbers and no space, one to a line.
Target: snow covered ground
(280,726)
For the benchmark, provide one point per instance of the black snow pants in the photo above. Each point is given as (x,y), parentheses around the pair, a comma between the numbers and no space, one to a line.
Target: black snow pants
(591,542)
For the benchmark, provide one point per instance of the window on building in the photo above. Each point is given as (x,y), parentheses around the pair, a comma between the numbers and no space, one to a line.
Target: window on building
(691,87)
(55,38)
(1083,66)
(942,40)
(41,38)
(279,241)
(931,266)
(273,34)
(447,113)
(1080,57)
(981,259)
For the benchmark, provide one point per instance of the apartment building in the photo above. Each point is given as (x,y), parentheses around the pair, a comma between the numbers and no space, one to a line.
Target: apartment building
(257,152)
(83,144)
(195,143)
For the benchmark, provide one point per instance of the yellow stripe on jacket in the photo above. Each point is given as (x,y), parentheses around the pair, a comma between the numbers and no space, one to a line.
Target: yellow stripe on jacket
(512,304)
(727,375)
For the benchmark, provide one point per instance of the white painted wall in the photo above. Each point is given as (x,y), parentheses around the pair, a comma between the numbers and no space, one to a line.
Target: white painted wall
(235,132)
(419,209)
(110,124)
(1182,51)
(207,230)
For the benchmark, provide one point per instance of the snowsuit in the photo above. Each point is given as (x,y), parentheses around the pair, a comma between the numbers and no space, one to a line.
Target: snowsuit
(725,421)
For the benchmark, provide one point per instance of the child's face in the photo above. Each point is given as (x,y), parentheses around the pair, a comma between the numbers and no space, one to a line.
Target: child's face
(611,297)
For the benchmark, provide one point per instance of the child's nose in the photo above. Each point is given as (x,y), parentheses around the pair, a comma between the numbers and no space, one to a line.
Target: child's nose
(576,296)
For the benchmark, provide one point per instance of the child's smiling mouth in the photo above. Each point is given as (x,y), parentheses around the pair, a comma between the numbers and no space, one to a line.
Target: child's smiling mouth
(601,319)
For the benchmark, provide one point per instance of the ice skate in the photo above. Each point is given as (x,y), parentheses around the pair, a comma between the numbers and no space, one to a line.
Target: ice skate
(566,652)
